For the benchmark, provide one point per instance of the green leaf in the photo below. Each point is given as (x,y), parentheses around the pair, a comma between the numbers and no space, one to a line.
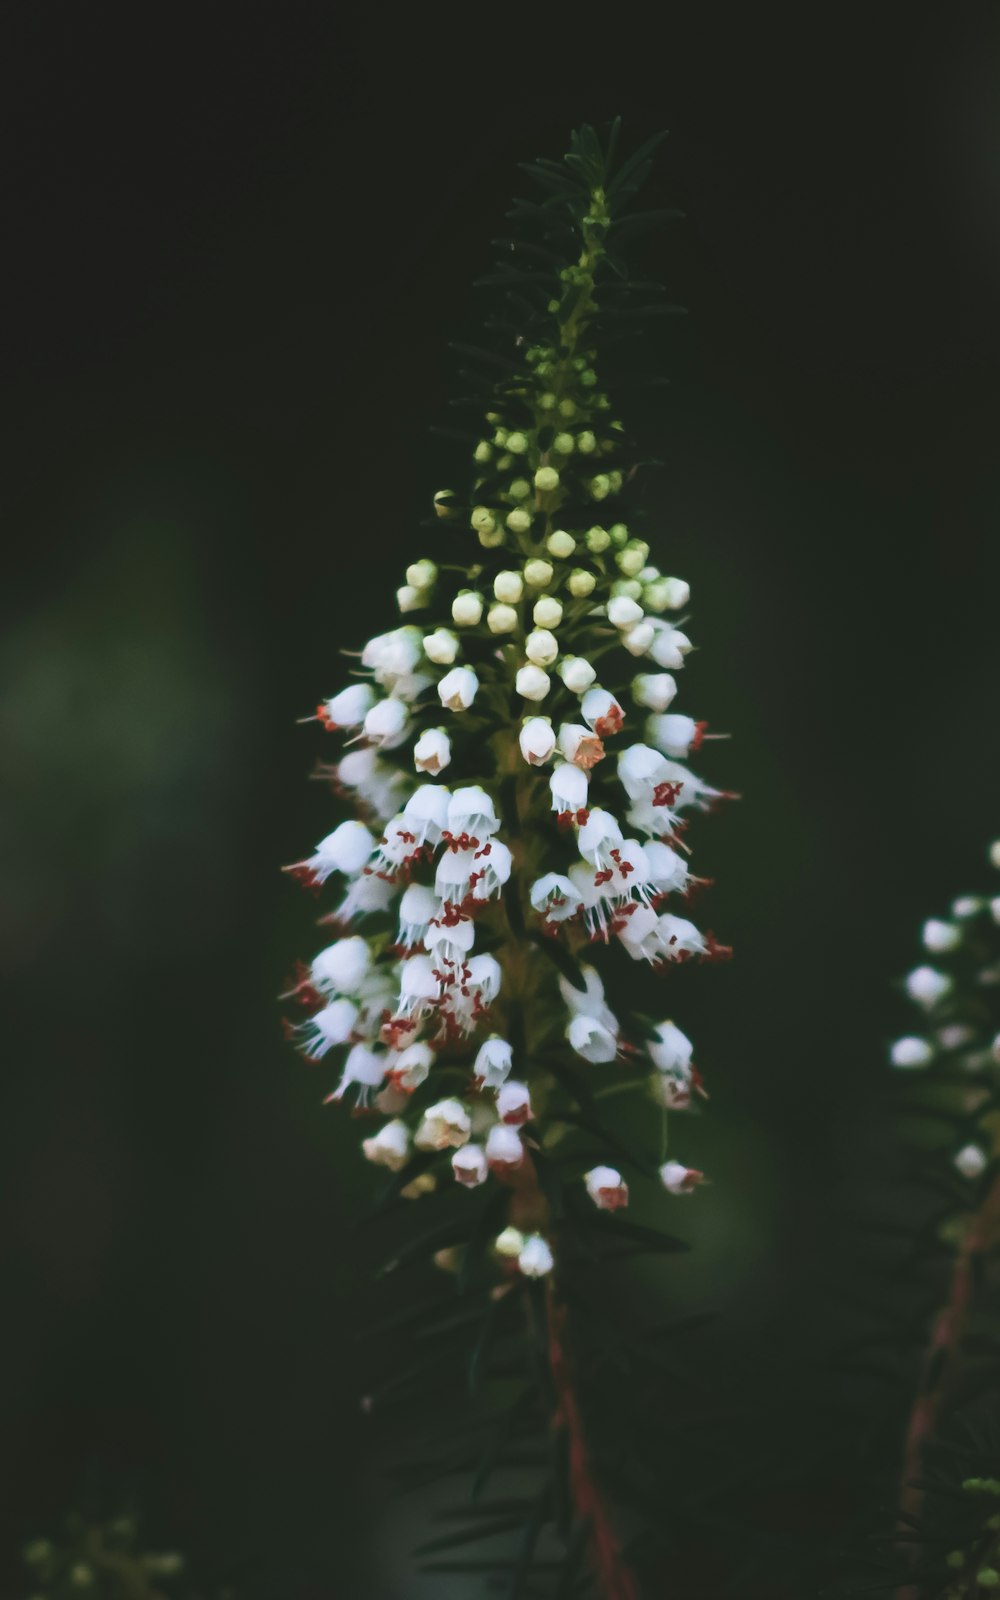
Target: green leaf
(478,1530)
(629,170)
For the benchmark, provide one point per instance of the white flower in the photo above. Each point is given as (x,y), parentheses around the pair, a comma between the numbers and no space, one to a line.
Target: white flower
(467,608)
(670,1050)
(390,1147)
(327,1029)
(669,647)
(601,711)
(668,872)
(640,935)
(504,1150)
(457,689)
(667,594)
(494,869)
(536,1258)
(679,1179)
(568,785)
(541,647)
(341,967)
(347,709)
(537,740)
(427,811)
(623,612)
(640,770)
(655,690)
(555,897)
(494,1061)
(590,1039)
(911,1052)
(926,986)
(452,880)
(940,937)
(547,612)
(679,937)
(346,850)
(387,723)
(445,1125)
(532,683)
(514,1103)
(501,619)
(598,837)
(677,736)
(448,942)
(364,1068)
(409,1068)
(441,647)
(971,1161)
(366,895)
(419,987)
(464,1005)
(470,1166)
(589,1001)
(397,846)
(393,655)
(576,673)
(967,905)
(637,640)
(606,1188)
(432,751)
(579,746)
(471,815)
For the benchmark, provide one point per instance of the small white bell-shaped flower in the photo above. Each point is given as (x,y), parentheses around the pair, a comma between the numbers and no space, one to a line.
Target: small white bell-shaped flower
(568,786)
(654,690)
(555,897)
(445,1125)
(537,740)
(457,689)
(504,1150)
(390,1147)
(970,1161)
(911,1051)
(580,746)
(341,967)
(679,1179)
(347,709)
(601,712)
(432,751)
(536,1259)
(493,1063)
(576,673)
(606,1188)
(387,724)
(514,1103)
(470,1166)
(927,986)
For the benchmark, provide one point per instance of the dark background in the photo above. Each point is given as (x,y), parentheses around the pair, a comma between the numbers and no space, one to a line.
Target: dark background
(236,243)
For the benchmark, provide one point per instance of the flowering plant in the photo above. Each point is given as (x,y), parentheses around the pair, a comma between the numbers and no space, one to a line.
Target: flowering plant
(522,795)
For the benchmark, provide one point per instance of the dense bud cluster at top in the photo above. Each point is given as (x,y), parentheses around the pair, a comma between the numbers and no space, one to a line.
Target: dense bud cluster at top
(520,778)
(956,990)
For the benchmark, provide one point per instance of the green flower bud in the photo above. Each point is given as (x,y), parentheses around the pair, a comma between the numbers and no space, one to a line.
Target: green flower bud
(410,599)
(491,538)
(618,532)
(579,363)
(38,1552)
(500,437)
(988,1578)
(632,558)
(564,443)
(560,544)
(421,574)
(598,539)
(546,479)
(955,1559)
(616,480)
(586,442)
(537,573)
(546,401)
(483,520)
(517,443)
(483,452)
(519,520)
(600,487)
(567,408)
(467,608)
(81,1576)
(581,583)
(519,489)
(588,377)
(627,586)
(504,463)
(444,503)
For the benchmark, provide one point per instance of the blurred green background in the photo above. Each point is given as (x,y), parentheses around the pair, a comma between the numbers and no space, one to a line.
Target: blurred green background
(237,243)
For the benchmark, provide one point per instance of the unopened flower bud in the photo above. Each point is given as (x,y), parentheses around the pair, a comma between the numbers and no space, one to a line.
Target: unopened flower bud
(670,647)
(586,442)
(546,479)
(532,683)
(519,520)
(410,599)
(520,489)
(926,986)
(541,647)
(547,612)
(483,520)
(510,1243)
(457,689)
(422,574)
(467,608)
(441,647)
(576,673)
(537,573)
(654,690)
(508,587)
(597,540)
(560,544)
(501,619)
(445,503)
(911,1052)
(517,443)
(632,558)
(940,937)
(483,452)
(564,443)
(581,583)
(995,853)
(537,740)
(623,612)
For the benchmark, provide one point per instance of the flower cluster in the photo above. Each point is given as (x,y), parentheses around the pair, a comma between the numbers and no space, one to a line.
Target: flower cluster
(522,792)
(957,993)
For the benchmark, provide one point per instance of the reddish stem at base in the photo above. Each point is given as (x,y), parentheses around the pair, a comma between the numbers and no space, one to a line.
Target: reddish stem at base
(616,1579)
